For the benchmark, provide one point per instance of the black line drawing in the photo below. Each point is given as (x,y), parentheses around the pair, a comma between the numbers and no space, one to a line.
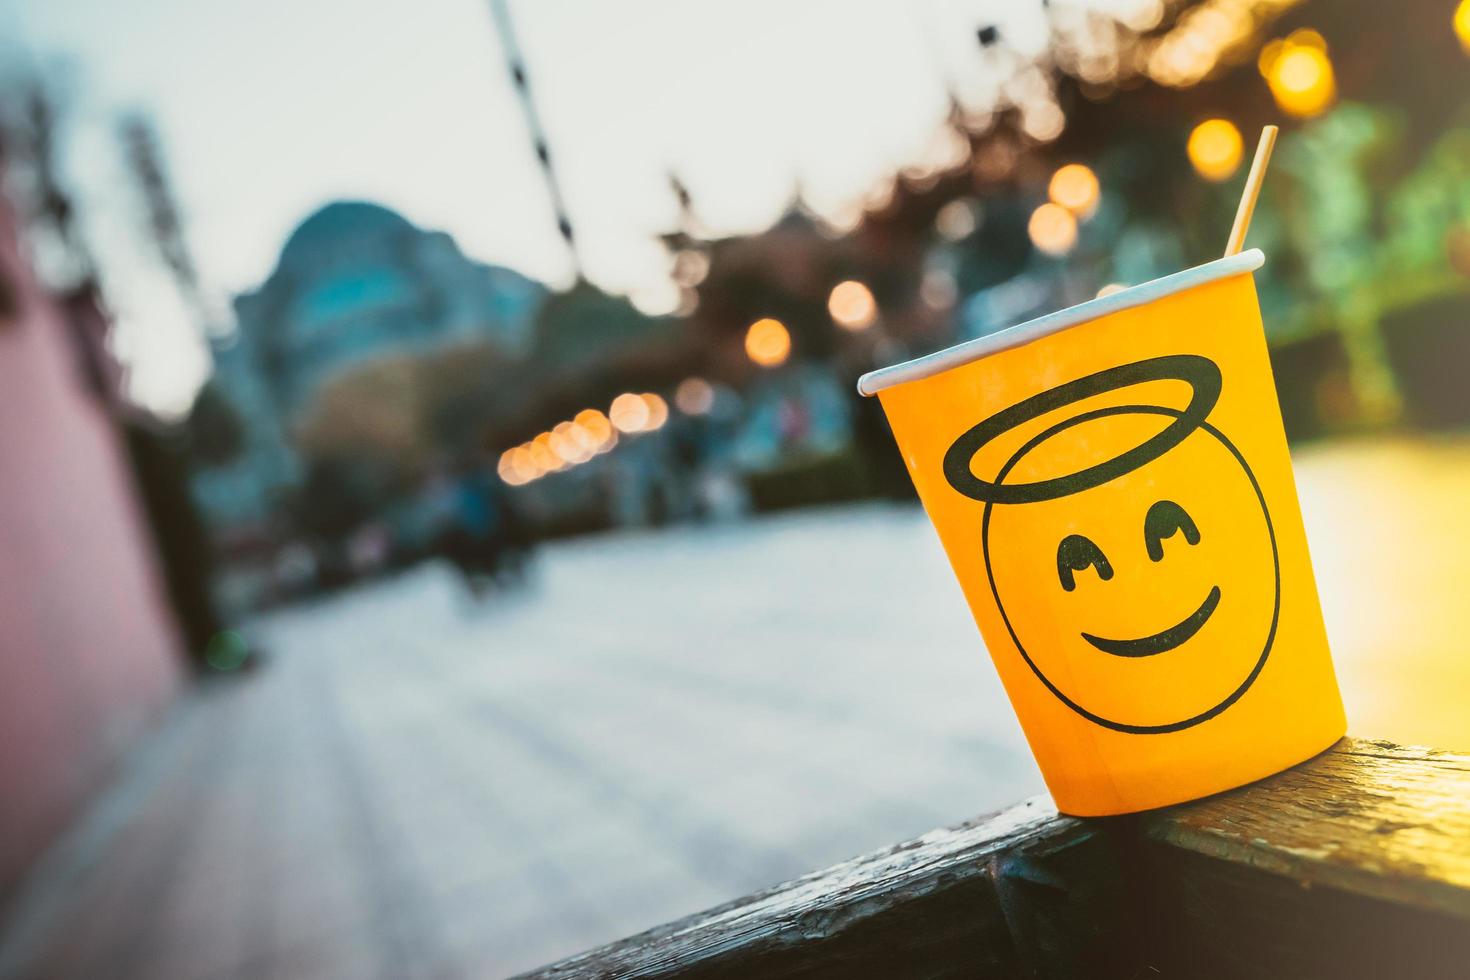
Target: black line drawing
(1165,518)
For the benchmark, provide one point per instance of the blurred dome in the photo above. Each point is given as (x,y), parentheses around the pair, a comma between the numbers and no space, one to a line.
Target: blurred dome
(341,221)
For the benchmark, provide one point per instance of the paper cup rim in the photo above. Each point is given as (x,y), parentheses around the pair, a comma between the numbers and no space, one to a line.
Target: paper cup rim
(1023,333)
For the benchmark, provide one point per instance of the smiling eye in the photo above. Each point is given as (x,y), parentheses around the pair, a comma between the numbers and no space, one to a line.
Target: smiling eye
(1162,521)
(1074,554)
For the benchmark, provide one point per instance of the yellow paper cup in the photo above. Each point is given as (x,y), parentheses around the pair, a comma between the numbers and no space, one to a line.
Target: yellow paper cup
(1112,486)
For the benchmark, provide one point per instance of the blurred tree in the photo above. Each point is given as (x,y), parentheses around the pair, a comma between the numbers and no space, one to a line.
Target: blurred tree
(374,412)
(338,495)
(216,433)
(578,328)
(1430,209)
(408,412)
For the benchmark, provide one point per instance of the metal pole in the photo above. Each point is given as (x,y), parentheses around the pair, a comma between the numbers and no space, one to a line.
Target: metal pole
(501,12)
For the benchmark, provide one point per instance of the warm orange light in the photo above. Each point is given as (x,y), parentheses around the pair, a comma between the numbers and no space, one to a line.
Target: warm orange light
(581,435)
(852,305)
(1215,149)
(1053,229)
(1075,188)
(628,412)
(694,396)
(1462,24)
(1299,73)
(564,448)
(658,411)
(768,342)
(596,425)
(506,470)
(524,464)
(543,455)
(570,442)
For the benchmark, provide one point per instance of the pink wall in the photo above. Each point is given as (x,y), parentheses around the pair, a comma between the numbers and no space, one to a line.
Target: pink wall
(87,645)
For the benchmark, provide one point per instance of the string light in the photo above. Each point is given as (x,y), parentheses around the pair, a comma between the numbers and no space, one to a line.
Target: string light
(1075,188)
(768,342)
(694,396)
(506,470)
(542,456)
(956,220)
(628,413)
(939,289)
(574,442)
(524,464)
(1215,149)
(597,426)
(1053,229)
(1299,73)
(658,411)
(852,305)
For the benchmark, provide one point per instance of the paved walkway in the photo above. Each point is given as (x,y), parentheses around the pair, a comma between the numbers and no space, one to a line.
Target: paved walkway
(418,786)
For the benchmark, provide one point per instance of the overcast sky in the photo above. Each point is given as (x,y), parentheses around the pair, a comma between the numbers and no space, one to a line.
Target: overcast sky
(269,109)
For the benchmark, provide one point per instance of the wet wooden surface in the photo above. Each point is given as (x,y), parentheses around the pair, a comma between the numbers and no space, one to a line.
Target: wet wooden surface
(1354,864)
(1372,818)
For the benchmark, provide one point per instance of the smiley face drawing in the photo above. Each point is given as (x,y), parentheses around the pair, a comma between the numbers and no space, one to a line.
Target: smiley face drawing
(1128,546)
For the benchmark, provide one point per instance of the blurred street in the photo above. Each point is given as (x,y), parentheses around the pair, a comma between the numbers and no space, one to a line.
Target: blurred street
(412,786)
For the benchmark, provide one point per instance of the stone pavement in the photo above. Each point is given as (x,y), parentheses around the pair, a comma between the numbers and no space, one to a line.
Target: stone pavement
(416,785)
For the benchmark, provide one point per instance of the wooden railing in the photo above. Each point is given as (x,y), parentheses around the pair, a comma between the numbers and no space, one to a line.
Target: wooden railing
(1353,864)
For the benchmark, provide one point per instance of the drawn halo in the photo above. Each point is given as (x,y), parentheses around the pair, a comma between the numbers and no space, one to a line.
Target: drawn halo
(1203,377)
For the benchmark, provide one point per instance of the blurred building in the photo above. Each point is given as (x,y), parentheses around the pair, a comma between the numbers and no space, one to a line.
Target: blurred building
(355,282)
(88,649)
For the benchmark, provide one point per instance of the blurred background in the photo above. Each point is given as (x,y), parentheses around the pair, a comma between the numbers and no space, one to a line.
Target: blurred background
(438,531)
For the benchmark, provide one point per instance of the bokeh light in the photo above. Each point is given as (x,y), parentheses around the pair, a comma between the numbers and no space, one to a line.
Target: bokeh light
(1462,24)
(690,267)
(571,443)
(1043,122)
(1053,229)
(1299,73)
(1110,289)
(1143,15)
(694,396)
(1215,149)
(957,220)
(657,298)
(628,413)
(852,305)
(505,469)
(768,342)
(1075,188)
(567,444)
(938,289)
(523,464)
(226,651)
(562,447)
(658,411)
(597,426)
(581,436)
(545,455)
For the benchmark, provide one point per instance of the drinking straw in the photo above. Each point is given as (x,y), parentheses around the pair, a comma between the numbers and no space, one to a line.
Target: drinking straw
(1252,190)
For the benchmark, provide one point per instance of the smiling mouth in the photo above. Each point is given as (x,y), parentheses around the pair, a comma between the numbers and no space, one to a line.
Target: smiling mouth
(1147,646)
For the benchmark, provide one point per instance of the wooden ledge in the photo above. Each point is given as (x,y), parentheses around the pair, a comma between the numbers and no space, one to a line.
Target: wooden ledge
(1353,864)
